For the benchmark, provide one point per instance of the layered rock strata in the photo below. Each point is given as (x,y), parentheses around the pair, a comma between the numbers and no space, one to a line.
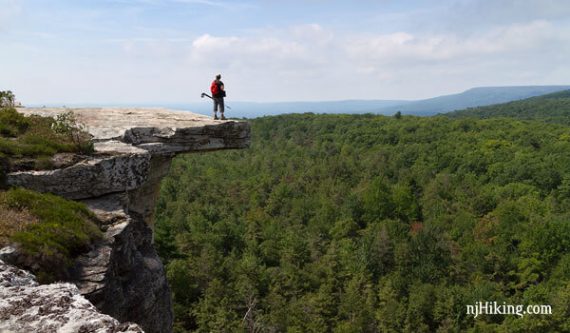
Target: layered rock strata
(123,275)
(26,306)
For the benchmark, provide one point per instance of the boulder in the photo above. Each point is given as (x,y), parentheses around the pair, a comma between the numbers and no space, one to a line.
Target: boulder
(26,306)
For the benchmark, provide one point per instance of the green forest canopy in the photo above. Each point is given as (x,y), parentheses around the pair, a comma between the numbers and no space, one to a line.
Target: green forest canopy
(553,108)
(362,223)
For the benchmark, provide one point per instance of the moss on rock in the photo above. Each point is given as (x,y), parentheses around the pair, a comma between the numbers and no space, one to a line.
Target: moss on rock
(59,231)
(36,139)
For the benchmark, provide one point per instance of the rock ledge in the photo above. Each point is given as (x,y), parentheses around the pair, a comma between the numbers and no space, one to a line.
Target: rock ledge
(122,275)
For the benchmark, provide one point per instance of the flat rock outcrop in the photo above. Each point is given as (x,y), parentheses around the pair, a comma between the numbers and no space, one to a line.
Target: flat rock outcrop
(123,275)
(125,140)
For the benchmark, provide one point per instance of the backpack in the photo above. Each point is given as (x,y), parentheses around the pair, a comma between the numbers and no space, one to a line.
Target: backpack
(215,89)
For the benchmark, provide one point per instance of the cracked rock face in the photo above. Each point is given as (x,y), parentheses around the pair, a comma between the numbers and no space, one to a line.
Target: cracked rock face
(26,306)
(90,178)
(122,275)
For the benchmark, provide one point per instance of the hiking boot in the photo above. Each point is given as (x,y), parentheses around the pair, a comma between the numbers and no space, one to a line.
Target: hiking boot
(223,118)
(216,117)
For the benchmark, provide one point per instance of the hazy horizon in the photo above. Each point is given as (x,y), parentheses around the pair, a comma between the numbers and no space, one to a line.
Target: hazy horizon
(143,51)
(207,101)
(478,96)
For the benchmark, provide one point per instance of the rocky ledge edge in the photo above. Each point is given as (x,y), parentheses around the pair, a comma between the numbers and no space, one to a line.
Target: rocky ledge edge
(125,141)
(122,275)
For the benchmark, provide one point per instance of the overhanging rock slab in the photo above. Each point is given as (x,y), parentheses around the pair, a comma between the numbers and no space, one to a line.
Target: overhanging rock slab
(125,141)
(122,274)
(139,126)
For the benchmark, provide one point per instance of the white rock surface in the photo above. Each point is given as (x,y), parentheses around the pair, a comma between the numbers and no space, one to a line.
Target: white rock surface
(156,125)
(28,307)
(125,141)
(112,123)
(122,275)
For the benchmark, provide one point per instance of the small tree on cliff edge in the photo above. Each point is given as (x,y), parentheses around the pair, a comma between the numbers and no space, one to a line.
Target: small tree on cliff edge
(7,99)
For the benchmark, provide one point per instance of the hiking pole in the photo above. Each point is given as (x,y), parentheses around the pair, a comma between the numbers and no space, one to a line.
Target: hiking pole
(210,97)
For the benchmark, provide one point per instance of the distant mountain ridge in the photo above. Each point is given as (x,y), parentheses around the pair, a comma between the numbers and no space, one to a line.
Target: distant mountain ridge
(259,109)
(474,97)
(553,108)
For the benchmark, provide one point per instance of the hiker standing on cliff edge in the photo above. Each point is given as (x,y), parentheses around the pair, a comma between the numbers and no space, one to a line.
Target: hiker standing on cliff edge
(218,94)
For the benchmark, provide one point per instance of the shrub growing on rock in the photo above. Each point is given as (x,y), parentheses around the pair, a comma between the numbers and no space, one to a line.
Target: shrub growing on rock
(48,231)
(31,142)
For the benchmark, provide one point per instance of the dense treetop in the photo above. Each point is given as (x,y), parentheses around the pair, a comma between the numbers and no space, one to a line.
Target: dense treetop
(553,108)
(362,223)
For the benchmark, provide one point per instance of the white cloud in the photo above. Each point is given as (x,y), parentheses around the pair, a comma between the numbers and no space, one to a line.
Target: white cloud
(337,66)
(403,47)
(129,54)
(267,52)
(208,47)
(312,33)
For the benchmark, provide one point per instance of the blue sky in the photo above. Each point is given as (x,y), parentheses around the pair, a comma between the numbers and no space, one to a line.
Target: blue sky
(152,51)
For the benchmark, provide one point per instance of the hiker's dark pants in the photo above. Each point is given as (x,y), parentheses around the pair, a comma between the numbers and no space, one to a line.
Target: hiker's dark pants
(218,104)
